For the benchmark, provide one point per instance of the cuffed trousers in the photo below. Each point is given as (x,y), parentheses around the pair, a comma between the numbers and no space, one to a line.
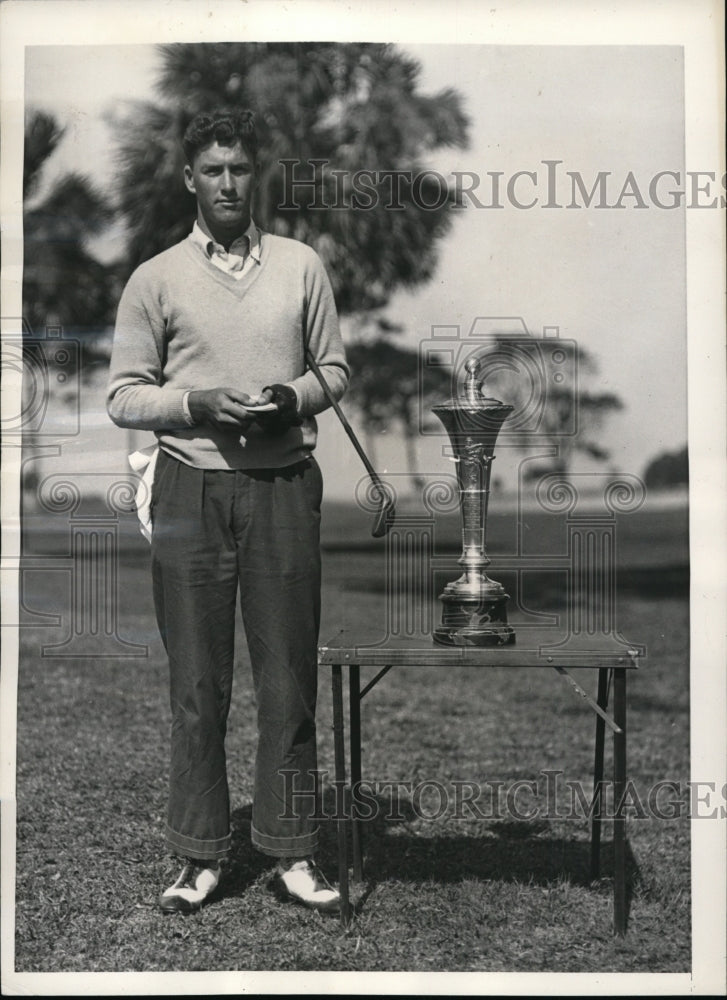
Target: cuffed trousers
(217,534)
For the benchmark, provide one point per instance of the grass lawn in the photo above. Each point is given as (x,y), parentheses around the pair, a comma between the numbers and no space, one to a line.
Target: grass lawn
(451,893)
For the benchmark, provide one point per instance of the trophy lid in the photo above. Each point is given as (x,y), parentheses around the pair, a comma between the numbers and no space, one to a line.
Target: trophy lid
(472,397)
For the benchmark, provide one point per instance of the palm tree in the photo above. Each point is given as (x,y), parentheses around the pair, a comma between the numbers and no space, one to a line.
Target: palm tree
(551,384)
(389,387)
(352,108)
(64,285)
(355,106)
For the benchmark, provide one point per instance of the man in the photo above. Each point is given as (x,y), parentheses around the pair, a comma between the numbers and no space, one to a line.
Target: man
(209,352)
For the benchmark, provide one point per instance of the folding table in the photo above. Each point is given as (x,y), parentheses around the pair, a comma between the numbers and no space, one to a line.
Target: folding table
(541,648)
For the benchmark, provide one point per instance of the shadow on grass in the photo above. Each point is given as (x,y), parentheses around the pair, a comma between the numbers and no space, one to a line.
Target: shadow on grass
(529,858)
(507,851)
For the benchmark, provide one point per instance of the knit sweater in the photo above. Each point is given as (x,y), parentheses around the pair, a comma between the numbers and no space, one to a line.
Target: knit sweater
(183,324)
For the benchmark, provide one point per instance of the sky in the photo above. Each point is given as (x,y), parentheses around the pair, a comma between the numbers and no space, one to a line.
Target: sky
(611,279)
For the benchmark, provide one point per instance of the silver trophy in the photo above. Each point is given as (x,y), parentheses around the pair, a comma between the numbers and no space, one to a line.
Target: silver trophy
(474,612)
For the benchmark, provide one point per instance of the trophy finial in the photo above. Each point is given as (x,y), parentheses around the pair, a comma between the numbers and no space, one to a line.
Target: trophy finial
(472,386)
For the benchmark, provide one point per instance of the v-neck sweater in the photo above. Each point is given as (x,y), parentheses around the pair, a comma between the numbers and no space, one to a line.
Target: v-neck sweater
(183,324)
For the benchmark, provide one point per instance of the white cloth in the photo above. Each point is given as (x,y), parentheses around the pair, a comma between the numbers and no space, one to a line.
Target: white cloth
(144,460)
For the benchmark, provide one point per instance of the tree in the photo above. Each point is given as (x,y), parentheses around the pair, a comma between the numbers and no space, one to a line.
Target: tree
(352,108)
(670,468)
(550,384)
(64,285)
(389,386)
(326,112)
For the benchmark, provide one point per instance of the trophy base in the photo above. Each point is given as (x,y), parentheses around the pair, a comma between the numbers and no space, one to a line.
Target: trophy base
(474,622)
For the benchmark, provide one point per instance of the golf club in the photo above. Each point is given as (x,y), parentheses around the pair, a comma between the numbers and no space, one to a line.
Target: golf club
(386,512)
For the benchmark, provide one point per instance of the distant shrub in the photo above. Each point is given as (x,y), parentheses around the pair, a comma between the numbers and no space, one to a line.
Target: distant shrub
(668,469)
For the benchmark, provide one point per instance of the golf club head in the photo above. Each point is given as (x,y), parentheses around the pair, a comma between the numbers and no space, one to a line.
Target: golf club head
(384,518)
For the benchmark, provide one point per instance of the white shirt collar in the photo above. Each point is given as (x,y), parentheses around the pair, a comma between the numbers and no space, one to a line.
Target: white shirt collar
(251,238)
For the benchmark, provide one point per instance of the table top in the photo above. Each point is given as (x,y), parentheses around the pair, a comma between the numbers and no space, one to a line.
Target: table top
(533,647)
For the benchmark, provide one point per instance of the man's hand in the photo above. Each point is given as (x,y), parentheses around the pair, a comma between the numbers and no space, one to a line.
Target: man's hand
(221,407)
(286,413)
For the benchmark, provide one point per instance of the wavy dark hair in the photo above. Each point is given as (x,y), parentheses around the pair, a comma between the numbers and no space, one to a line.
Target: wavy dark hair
(225,126)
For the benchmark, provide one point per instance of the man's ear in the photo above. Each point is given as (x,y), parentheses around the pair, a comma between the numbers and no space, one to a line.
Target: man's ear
(189,178)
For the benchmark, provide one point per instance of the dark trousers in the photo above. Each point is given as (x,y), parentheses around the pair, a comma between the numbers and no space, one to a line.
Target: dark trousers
(217,534)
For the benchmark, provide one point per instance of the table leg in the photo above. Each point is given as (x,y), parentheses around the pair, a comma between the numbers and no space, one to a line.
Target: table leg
(354,697)
(619,789)
(341,818)
(602,700)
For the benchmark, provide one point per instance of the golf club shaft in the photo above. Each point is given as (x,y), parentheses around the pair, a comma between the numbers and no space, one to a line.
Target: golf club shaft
(346,426)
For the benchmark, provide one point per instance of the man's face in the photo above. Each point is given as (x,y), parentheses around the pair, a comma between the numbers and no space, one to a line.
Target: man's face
(223,179)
